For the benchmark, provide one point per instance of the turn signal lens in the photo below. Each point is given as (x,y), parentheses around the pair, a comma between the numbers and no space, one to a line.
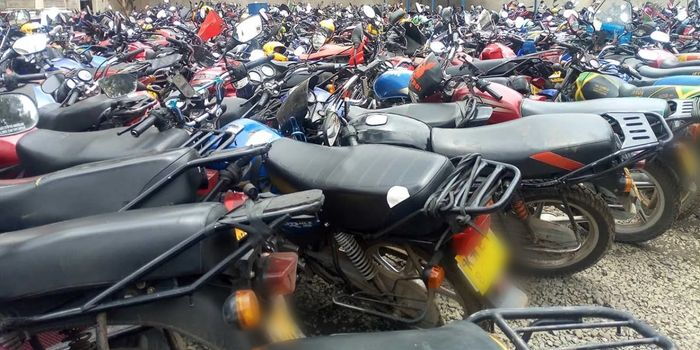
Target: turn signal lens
(435,277)
(247,309)
(694,130)
(242,309)
(628,181)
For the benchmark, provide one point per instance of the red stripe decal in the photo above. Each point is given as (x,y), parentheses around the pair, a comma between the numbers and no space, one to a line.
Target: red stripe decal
(557,161)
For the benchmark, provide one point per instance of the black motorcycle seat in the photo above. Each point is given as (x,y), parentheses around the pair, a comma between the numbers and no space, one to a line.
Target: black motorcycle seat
(651,72)
(439,115)
(487,67)
(619,104)
(459,335)
(236,107)
(43,151)
(79,116)
(359,182)
(582,138)
(96,188)
(101,249)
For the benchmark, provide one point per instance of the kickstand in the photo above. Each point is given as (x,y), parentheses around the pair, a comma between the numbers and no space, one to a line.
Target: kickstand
(101,332)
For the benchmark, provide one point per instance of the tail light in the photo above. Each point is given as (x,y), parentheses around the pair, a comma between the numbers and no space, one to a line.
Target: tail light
(280,273)
(463,243)
(435,277)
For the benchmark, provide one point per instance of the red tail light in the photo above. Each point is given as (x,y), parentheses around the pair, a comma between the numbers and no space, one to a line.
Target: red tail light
(280,273)
(463,243)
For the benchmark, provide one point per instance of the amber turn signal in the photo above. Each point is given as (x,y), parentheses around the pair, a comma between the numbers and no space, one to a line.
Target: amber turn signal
(242,309)
(435,277)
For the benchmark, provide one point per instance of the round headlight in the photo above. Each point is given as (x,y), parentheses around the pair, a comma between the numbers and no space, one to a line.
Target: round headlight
(317,40)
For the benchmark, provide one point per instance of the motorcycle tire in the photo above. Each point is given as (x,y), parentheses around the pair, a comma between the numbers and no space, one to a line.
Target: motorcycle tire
(670,189)
(583,201)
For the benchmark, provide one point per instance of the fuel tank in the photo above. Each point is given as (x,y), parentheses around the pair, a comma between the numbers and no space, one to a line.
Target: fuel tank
(590,85)
(392,129)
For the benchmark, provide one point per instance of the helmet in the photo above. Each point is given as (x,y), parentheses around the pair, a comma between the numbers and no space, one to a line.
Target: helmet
(30,27)
(328,25)
(276,49)
(426,79)
(203,11)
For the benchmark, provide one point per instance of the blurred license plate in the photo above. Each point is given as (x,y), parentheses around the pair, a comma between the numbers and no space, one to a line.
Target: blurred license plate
(484,266)
(688,160)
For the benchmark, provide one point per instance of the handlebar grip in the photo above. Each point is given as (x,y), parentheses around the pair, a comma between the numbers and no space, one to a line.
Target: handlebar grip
(484,85)
(132,54)
(631,71)
(73,97)
(29,77)
(143,126)
(253,64)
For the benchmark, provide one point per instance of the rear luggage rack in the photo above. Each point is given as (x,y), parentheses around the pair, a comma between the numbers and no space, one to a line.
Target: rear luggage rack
(549,319)
(642,135)
(208,141)
(476,186)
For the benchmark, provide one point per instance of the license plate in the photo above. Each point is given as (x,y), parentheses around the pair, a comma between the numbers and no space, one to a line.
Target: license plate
(688,159)
(280,323)
(484,266)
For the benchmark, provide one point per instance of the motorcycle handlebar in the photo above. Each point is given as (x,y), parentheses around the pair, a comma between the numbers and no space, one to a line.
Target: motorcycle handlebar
(143,126)
(253,64)
(130,55)
(28,77)
(484,85)
(631,71)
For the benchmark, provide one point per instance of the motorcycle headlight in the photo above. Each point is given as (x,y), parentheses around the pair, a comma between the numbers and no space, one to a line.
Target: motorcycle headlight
(317,40)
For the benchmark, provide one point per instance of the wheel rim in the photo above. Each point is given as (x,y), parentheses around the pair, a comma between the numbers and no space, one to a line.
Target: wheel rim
(553,211)
(649,210)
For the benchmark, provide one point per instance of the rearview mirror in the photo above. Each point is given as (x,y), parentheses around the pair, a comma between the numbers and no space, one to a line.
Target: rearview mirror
(17,114)
(31,44)
(659,36)
(118,85)
(52,83)
(249,29)
(437,47)
(368,11)
(446,14)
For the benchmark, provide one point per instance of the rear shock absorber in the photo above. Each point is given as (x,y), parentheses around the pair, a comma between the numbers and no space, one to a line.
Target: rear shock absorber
(356,254)
(519,207)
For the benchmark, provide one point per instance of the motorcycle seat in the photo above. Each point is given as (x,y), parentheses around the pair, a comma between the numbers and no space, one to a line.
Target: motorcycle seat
(236,107)
(101,249)
(359,182)
(440,115)
(485,66)
(540,146)
(621,104)
(43,151)
(79,116)
(651,72)
(96,188)
(456,335)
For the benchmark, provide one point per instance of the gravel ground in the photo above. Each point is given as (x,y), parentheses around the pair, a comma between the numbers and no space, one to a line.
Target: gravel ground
(659,282)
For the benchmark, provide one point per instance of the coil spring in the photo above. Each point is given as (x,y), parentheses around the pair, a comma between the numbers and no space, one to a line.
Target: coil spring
(77,339)
(520,209)
(356,255)
(11,341)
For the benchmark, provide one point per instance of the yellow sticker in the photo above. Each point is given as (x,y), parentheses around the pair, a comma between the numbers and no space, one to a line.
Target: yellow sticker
(240,234)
